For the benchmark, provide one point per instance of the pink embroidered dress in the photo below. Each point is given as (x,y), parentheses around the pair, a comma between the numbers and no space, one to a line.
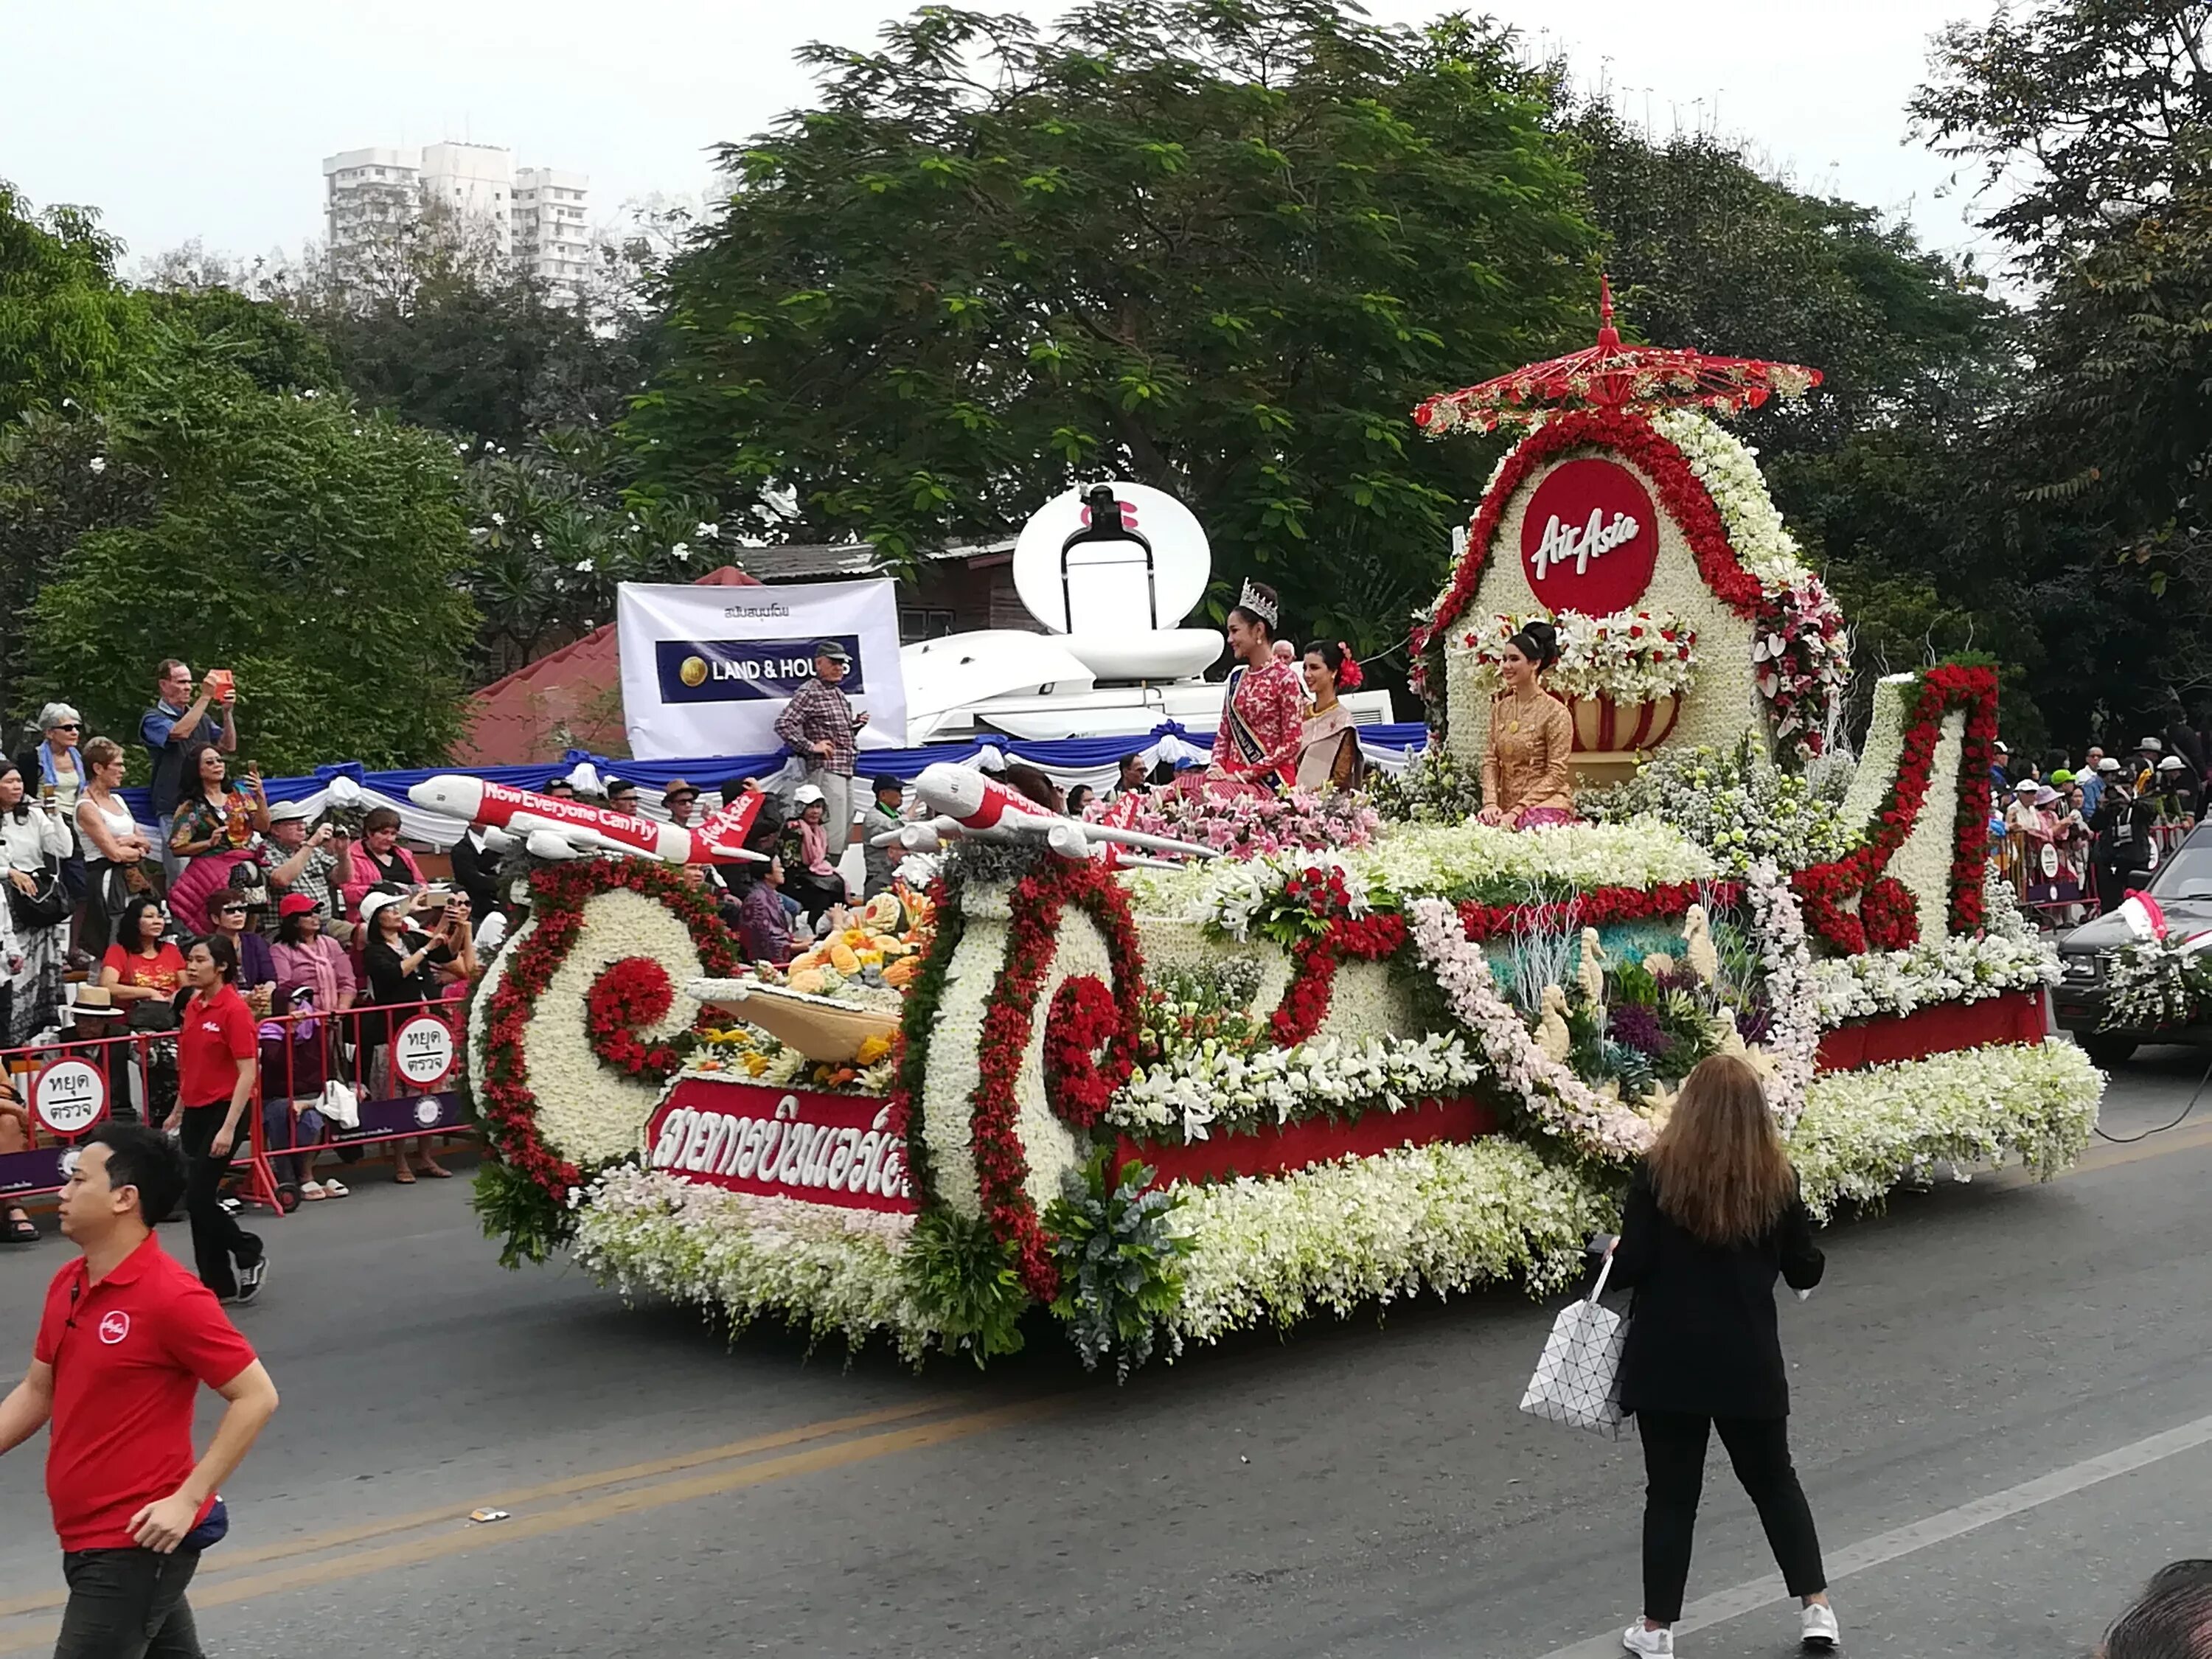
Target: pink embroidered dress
(1262,718)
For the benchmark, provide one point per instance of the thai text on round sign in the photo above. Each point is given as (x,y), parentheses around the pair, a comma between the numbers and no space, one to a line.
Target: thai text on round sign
(69,1095)
(422,1050)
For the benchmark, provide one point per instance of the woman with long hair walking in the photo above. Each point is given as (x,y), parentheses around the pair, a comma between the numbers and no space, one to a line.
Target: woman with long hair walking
(1713,1216)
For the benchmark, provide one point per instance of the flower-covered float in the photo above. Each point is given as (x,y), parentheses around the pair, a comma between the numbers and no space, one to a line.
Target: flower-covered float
(1353,1059)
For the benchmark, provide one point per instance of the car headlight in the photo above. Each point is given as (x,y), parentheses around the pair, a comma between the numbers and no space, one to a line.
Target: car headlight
(2080,969)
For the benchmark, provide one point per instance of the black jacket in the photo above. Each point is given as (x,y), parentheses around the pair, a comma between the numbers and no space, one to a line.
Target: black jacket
(477,873)
(2122,826)
(1702,1337)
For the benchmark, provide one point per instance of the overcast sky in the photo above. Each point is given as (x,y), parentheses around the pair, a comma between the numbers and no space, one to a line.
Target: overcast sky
(210,120)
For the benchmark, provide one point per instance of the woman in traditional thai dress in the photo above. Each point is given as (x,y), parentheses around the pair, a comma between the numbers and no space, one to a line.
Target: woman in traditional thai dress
(1257,741)
(1328,747)
(1528,779)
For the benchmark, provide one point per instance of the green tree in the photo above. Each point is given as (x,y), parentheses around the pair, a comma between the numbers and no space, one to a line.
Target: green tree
(65,324)
(2090,122)
(311,546)
(1222,248)
(1882,472)
(553,529)
(428,322)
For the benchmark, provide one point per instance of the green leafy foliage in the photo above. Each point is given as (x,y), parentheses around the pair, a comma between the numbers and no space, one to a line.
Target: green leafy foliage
(1223,250)
(310,547)
(66,327)
(2090,123)
(965,1280)
(1120,1255)
(519,1212)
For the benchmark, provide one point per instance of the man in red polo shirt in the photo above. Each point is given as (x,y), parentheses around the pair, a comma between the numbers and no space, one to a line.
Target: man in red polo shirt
(128,1335)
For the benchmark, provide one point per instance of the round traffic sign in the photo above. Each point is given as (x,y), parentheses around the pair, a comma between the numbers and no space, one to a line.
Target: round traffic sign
(422,1050)
(69,1095)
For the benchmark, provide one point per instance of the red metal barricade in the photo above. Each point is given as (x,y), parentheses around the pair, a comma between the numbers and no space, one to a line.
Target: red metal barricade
(401,1063)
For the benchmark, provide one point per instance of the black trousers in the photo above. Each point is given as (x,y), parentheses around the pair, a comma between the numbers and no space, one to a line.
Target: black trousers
(127,1604)
(1675,1472)
(217,1239)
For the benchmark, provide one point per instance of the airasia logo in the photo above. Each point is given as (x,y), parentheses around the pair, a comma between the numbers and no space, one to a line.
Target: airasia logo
(1590,539)
(114,1326)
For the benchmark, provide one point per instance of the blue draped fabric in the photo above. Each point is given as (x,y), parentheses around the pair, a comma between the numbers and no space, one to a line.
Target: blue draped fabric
(709,772)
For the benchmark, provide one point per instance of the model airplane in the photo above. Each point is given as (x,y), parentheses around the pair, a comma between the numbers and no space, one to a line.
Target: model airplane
(969,806)
(554,830)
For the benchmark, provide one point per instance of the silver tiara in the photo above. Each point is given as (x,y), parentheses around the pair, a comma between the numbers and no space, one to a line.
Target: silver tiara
(1258,604)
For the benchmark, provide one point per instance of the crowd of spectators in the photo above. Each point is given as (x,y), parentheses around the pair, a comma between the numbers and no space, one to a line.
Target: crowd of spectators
(2094,829)
(331,926)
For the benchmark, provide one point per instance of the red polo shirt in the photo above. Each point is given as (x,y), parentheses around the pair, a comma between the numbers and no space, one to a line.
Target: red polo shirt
(214,1035)
(128,1355)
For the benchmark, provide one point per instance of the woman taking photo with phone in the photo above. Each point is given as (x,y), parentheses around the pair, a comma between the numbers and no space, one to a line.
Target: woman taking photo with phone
(408,969)
(1712,1217)
(33,842)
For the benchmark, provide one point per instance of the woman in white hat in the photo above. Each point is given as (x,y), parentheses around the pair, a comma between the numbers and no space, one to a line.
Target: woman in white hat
(408,969)
(809,876)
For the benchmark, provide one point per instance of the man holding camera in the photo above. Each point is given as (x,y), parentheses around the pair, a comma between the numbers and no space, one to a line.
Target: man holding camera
(173,725)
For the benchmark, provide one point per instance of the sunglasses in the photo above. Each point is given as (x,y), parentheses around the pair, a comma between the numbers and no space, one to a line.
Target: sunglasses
(66,725)
(232,910)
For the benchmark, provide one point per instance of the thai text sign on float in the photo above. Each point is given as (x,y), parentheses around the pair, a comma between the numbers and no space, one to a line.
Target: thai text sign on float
(1591,538)
(818,1148)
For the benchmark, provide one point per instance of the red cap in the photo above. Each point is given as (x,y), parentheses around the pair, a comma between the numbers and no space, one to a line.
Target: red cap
(294,904)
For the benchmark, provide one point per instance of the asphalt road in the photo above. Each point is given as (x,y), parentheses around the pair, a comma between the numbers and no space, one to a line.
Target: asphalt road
(1360,1489)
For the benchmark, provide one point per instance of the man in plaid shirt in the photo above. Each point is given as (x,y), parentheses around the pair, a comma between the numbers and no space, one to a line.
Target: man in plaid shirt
(819,724)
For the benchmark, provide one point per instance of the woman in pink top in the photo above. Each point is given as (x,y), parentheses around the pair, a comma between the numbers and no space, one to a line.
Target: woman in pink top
(379,858)
(314,982)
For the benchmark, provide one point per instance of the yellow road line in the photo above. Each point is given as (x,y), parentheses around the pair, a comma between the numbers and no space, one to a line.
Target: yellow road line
(413,1552)
(315,1543)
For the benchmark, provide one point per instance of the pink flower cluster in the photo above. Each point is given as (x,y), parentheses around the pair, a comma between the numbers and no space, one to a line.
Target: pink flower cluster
(1249,825)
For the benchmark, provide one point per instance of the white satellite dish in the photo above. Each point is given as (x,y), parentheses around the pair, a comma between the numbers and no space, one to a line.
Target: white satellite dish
(1143,584)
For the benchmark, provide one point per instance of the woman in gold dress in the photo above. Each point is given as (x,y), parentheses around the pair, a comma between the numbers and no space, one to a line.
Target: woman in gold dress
(1527,778)
(1328,743)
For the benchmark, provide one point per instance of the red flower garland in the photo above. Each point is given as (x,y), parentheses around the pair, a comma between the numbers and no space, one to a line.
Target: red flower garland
(1890,919)
(1084,1018)
(627,994)
(1598,906)
(558,894)
(1306,998)
(1001,1164)
(1824,889)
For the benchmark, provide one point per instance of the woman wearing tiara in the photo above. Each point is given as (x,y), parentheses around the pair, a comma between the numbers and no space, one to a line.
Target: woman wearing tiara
(1257,741)
(1528,779)
(1328,747)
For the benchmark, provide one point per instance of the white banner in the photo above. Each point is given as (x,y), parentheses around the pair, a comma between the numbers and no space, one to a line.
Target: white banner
(706,670)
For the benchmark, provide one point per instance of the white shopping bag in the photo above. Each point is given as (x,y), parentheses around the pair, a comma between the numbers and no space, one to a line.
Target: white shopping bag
(1577,1381)
(339,1105)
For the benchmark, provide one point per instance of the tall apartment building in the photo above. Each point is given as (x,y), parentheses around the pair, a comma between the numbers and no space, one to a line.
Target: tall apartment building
(536,215)
(552,238)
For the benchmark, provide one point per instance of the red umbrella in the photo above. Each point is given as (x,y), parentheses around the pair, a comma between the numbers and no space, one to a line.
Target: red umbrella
(1611,375)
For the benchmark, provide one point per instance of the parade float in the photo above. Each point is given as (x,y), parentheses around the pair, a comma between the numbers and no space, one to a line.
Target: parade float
(1358,1057)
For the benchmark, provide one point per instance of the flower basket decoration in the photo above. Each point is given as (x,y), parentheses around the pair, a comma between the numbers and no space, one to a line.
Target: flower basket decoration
(1622,677)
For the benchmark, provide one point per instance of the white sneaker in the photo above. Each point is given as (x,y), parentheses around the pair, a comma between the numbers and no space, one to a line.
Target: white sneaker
(1637,1639)
(1820,1631)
